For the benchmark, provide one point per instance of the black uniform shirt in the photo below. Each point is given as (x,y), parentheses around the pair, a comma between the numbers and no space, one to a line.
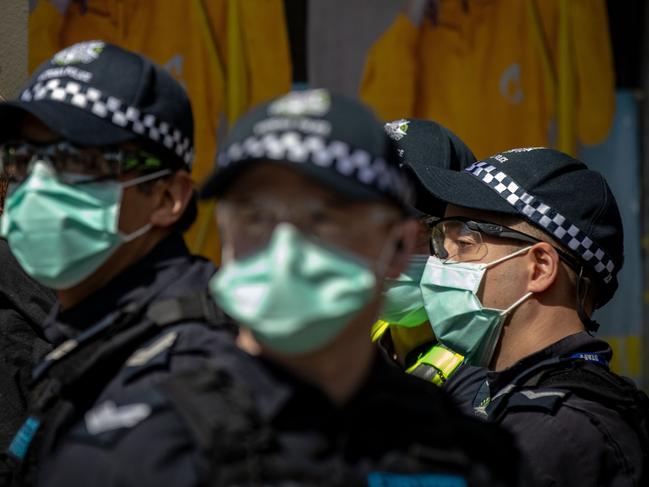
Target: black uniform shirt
(168,271)
(378,434)
(24,305)
(567,439)
(463,385)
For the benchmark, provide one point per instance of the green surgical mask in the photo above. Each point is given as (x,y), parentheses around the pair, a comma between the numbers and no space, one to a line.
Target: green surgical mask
(457,316)
(403,302)
(294,295)
(60,233)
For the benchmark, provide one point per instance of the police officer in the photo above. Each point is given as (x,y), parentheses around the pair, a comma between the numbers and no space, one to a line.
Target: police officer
(24,305)
(312,215)
(530,245)
(99,151)
(403,331)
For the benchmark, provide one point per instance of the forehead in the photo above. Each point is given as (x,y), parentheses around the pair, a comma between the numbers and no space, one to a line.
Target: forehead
(274,180)
(280,183)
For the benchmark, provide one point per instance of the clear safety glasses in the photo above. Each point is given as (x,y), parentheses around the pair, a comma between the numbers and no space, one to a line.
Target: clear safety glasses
(72,164)
(461,239)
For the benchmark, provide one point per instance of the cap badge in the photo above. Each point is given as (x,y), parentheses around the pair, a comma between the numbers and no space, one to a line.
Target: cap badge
(523,149)
(397,129)
(81,53)
(302,103)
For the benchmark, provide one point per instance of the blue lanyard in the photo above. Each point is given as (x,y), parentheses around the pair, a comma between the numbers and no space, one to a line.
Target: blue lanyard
(590,357)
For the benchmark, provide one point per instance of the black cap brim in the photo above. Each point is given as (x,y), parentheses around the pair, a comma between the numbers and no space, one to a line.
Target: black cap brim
(74,124)
(425,147)
(464,189)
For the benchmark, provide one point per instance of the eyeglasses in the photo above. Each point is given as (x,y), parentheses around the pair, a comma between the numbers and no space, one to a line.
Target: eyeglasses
(72,164)
(458,238)
(331,223)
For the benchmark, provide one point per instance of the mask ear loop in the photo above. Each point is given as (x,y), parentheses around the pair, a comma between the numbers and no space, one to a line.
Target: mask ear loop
(137,233)
(525,296)
(590,324)
(503,315)
(134,182)
(516,303)
(145,178)
(507,257)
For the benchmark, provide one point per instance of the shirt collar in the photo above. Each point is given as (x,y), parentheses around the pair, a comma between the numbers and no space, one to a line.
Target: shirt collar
(128,286)
(579,342)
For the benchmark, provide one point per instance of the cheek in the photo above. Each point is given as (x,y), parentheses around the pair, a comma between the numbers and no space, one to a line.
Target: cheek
(500,288)
(370,250)
(135,209)
(237,243)
(491,290)
(238,248)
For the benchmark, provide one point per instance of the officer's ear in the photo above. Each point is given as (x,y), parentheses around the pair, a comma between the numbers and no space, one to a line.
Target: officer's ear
(403,247)
(175,194)
(542,267)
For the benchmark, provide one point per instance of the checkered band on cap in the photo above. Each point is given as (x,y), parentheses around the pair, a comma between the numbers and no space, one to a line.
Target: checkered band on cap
(319,151)
(113,110)
(546,217)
